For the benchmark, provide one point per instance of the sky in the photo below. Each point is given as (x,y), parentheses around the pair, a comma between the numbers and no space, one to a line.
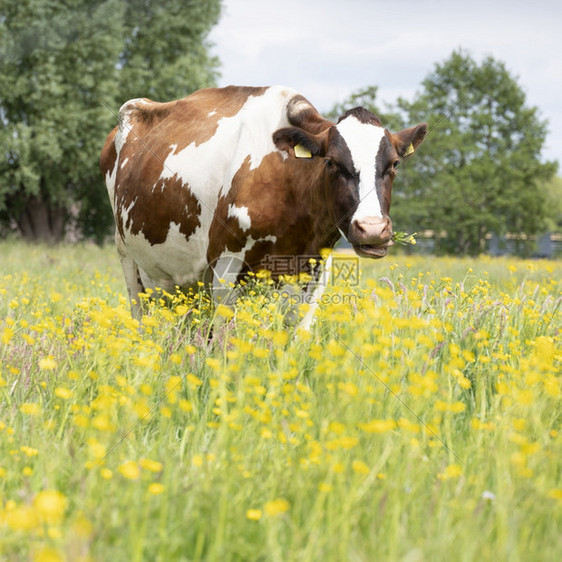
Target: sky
(327,49)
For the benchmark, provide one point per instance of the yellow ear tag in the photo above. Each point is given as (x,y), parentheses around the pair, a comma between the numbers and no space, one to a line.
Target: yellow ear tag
(302,152)
(409,150)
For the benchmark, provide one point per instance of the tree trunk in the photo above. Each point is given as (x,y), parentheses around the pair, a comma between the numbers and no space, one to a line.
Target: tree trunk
(41,221)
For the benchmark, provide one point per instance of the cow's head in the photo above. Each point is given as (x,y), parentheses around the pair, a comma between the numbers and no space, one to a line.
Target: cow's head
(360,161)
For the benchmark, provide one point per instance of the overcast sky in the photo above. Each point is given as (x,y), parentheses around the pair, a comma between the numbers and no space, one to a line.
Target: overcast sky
(327,49)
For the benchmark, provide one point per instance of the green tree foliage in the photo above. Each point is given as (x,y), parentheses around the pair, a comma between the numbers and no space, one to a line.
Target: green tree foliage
(479,171)
(554,204)
(65,68)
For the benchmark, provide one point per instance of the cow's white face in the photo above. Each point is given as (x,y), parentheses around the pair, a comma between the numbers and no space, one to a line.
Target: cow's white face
(361,158)
(373,158)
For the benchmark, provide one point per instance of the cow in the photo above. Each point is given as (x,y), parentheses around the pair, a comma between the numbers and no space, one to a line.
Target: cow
(229,178)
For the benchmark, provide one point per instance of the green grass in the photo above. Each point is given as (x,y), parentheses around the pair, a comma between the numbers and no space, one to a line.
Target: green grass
(418,420)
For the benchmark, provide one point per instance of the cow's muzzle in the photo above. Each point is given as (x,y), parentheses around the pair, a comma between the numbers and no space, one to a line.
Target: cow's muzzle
(371,236)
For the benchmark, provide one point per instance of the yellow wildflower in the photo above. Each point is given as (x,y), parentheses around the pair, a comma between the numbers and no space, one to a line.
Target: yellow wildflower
(30,408)
(155,488)
(47,363)
(50,506)
(276,507)
(130,470)
(254,514)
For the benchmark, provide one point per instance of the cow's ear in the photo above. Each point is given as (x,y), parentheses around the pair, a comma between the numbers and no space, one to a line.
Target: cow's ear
(405,142)
(300,143)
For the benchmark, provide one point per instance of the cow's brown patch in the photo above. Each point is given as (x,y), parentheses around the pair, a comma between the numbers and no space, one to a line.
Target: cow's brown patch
(285,199)
(108,153)
(152,211)
(193,119)
(170,201)
(150,204)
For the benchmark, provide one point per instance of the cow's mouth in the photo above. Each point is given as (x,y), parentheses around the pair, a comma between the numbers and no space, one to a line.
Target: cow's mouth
(372,250)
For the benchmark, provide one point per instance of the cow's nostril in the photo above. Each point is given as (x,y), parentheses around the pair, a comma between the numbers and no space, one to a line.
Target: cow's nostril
(359,226)
(371,230)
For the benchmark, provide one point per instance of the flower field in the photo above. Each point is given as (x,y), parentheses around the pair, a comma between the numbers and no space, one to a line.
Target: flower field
(419,420)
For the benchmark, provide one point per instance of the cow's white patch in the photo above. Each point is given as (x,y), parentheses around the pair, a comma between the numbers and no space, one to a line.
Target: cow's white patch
(363,141)
(174,263)
(124,162)
(212,113)
(240,213)
(207,170)
(228,267)
(110,178)
(299,106)
(125,212)
(125,122)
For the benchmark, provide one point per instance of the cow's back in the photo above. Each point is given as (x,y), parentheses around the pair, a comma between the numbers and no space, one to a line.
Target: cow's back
(167,165)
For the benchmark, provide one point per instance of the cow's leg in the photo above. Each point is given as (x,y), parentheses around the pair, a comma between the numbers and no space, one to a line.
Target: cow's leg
(314,293)
(132,277)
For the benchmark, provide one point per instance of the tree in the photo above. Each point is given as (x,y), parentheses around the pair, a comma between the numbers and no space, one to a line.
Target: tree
(65,68)
(554,204)
(479,171)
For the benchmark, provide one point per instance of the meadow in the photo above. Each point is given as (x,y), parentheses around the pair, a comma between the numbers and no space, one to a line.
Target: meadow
(418,420)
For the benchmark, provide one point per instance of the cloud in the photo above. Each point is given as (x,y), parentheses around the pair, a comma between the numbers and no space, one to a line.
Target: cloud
(328,49)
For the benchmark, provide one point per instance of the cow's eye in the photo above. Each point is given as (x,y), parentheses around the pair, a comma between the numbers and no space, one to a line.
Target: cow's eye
(395,164)
(331,164)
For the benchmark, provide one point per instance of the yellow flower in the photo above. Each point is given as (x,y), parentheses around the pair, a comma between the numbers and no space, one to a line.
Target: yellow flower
(253,514)
(54,533)
(50,505)
(185,405)
(213,363)
(149,464)
(97,449)
(156,488)
(452,471)
(225,311)
(7,335)
(47,554)
(360,467)
(280,338)
(29,451)
(21,518)
(455,407)
(378,426)
(62,392)
(276,507)
(30,408)
(47,363)
(130,470)
(555,493)
(82,527)
(106,473)
(193,380)
(181,309)
(55,297)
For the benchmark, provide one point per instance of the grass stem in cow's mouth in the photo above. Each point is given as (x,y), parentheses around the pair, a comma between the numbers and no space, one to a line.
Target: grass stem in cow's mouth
(404,238)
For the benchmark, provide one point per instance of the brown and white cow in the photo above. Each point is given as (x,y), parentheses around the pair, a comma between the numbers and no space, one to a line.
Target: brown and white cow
(245,173)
